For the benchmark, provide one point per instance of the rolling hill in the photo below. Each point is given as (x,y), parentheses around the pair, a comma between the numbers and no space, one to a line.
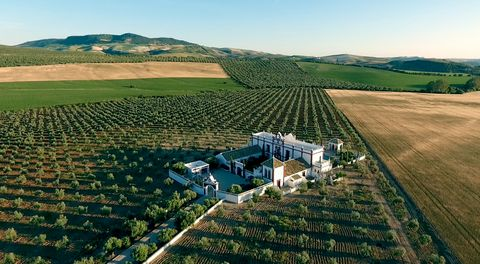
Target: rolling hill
(417,64)
(129,43)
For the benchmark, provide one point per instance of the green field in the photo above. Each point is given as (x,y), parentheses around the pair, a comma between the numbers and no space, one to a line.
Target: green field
(21,95)
(404,81)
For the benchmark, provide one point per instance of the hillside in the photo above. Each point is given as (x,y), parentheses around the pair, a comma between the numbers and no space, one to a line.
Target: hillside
(128,43)
(417,64)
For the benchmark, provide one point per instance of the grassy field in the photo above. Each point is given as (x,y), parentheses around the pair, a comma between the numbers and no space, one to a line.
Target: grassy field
(330,224)
(407,82)
(22,95)
(431,143)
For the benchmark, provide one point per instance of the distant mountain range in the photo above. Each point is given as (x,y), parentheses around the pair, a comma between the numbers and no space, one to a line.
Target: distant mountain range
(135,44)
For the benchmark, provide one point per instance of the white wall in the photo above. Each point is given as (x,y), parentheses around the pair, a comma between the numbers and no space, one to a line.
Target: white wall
(278,175)
(179,235)
(183,181)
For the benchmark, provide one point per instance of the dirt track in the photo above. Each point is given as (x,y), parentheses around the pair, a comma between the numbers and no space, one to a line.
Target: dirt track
(111,71)
(431,143)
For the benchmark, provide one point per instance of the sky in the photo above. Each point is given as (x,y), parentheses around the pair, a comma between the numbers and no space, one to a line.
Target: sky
(386,28)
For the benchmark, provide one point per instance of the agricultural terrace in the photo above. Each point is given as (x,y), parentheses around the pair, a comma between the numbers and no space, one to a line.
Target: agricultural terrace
(345,223)
(72,175)
(24,95)
(393,80)
(111,71)
(430,143)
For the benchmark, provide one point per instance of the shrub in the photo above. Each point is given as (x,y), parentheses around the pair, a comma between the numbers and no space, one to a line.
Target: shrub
(140,253)
(155,213)
(266,254)
(135,228)
(203,243)
(302,257)
(270,234)
(39,260)
(391,235)
(105,210)
(328,227)
(62,243)
(61,221)
(111,244)
(189,194)
(40,239)
(365,250)
(247,216)
(274,192)
(148,180)
(413,225)
(330,244)
(110,176)
(184,219)
(235,188)
(436,259)
(168,181)
(166,235)
(209,202)
(303,239)
(88,225)
(9,258)
(233,246)
(424,240)
(11,234)
(85,260)
(179,168)
(256,182)
(239,230)
(303,188)
(128,178)
(37,220)
(302,209)
(255,197)
(17,215)
(398,252)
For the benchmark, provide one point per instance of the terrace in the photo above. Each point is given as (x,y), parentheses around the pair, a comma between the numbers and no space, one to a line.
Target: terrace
(226,179)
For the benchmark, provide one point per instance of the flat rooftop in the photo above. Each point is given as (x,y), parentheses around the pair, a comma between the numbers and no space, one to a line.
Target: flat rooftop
(289,139)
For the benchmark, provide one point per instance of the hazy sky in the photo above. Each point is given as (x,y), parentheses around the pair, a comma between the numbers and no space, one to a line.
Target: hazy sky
(429,28)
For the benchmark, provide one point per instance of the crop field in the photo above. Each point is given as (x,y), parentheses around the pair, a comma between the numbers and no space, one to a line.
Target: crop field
(277,73)
(23,95)
(81,171)
(14,56)
(378,77)
(430,143)
(111,71)
(345,223)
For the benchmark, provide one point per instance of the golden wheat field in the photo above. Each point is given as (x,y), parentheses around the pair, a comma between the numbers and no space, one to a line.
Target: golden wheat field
(111,71)
(431,143)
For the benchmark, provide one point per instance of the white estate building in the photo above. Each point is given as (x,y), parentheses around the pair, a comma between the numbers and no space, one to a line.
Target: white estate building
(289,160)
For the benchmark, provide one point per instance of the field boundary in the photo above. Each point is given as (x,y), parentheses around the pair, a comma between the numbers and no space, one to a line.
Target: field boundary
(157,253)
(409,202)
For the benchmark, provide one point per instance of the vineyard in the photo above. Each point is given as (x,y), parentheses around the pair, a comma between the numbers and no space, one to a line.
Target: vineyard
(73,175)
(253,73)
(276,73)
(325,224)
(13,56)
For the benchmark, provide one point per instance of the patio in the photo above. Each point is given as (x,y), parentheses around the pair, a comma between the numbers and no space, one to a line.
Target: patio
(226,179)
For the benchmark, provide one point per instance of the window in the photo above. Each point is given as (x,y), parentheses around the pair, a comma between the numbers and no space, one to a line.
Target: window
(268,148)
(287,154)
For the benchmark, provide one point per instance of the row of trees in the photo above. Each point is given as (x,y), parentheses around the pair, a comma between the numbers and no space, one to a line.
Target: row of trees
(442,86)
